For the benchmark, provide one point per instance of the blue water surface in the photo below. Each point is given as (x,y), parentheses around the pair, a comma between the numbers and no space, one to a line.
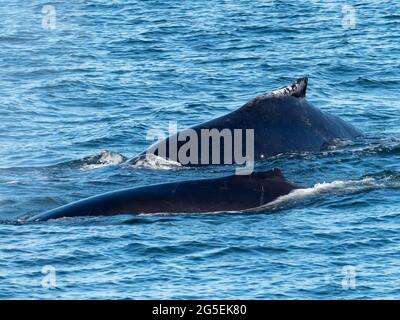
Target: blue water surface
(79,95)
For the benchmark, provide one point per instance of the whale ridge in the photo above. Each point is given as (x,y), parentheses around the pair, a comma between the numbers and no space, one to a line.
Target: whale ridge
(297,89)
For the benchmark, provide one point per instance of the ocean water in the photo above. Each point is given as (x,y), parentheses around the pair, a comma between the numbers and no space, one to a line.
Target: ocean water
(82,82)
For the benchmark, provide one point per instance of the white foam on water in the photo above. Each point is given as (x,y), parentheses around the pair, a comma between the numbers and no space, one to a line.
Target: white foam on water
(324,188)
(11,182)
(105,158)
(152,161)
(338,143)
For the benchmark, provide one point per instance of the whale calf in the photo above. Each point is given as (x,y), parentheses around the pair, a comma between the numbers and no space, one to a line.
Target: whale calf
(229,193)
(282,121)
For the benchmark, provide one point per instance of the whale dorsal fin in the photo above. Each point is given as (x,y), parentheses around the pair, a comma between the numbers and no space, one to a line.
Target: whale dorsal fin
(297,89)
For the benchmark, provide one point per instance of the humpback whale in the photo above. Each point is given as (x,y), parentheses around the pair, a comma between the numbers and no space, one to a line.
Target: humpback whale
(229,193)
(282,121)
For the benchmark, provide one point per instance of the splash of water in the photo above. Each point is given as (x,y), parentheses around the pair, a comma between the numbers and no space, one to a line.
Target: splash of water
(152,161)
(320,189)
(105,158)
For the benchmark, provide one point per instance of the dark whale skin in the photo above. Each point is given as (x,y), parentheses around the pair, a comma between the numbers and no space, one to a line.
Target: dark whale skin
(283,122)
(231,193)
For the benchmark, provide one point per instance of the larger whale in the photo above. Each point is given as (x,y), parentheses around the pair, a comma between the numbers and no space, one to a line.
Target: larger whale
(230,193)
(282,121)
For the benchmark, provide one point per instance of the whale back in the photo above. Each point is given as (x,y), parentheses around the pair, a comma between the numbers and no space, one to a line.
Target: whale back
(282,121)
(230,193)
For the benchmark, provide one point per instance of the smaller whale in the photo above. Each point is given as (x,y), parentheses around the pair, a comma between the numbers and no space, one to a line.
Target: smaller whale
(229,193)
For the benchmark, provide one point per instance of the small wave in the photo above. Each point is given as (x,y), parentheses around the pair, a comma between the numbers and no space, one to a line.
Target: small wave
(151,161)
(338,143)
(370,82)
(10,182)
(373,147)
(383,149)
(359,147)
(103,159)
